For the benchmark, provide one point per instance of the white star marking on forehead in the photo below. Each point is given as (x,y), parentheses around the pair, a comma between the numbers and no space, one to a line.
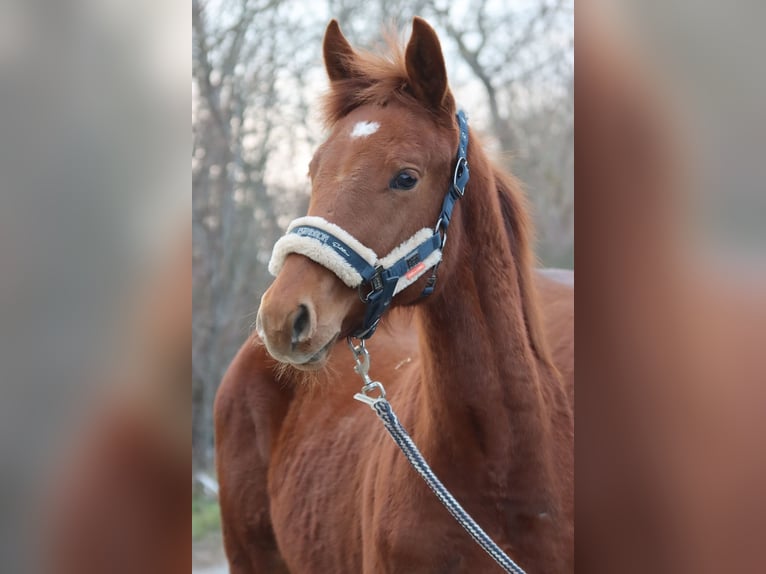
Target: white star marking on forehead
(364,129)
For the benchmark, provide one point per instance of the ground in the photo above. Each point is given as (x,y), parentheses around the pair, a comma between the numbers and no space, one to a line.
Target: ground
(207,554)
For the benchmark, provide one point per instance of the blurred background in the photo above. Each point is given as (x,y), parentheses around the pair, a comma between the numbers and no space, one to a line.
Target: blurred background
(94,209)
(671,287)
(258,76)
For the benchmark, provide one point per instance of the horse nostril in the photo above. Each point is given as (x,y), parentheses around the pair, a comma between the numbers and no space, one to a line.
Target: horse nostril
(301,325)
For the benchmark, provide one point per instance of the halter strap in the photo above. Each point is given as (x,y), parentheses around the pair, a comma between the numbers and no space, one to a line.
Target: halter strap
(378,279)
(460,177)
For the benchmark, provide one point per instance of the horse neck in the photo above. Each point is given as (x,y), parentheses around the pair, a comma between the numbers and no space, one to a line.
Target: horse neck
(482,381)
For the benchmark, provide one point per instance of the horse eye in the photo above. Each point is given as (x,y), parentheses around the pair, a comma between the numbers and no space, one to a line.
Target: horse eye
(403,180)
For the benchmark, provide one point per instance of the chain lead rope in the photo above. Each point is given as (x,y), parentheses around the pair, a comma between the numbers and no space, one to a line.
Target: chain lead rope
(383,409)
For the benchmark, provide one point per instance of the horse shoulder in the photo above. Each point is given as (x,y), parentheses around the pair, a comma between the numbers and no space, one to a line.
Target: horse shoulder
(249,407)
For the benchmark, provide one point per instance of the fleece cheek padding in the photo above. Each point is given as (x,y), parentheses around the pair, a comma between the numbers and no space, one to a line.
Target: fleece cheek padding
(317,252)
(429,262)
(326,256)
(406,247)
(321,223)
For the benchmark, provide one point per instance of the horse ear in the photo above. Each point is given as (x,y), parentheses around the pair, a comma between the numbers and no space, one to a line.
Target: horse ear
(338,53)
(425,65)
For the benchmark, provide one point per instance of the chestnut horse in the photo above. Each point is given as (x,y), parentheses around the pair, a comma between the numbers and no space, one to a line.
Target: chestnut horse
(480,372)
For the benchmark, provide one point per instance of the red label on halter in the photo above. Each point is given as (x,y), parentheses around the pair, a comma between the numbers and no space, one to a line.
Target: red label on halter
(415,270)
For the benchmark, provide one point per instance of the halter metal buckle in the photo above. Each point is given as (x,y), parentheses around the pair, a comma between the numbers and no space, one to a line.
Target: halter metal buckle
(375,283)
(460,167)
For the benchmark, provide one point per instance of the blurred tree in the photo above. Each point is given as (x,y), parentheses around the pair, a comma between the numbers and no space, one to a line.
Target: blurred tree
(523,59)
(238,56)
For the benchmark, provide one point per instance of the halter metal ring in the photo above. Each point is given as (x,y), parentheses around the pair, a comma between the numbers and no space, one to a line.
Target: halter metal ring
(364,297)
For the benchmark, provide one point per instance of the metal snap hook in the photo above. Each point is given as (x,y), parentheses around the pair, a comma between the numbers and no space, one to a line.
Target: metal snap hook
(365,397)
(362,359)
(362,368)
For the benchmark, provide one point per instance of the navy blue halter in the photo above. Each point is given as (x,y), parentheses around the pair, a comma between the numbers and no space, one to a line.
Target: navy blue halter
(378,283)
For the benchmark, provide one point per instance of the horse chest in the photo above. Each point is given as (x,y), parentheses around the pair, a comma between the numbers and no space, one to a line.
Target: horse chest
(348,501)
(314,482)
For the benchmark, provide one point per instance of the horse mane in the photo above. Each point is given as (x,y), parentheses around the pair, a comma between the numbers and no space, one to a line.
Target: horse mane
(519,229)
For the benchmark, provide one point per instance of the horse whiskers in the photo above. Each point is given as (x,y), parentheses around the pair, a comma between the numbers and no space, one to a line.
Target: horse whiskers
(287,373)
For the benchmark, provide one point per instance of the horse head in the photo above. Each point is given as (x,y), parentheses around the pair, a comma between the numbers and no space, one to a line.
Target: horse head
(378,182)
